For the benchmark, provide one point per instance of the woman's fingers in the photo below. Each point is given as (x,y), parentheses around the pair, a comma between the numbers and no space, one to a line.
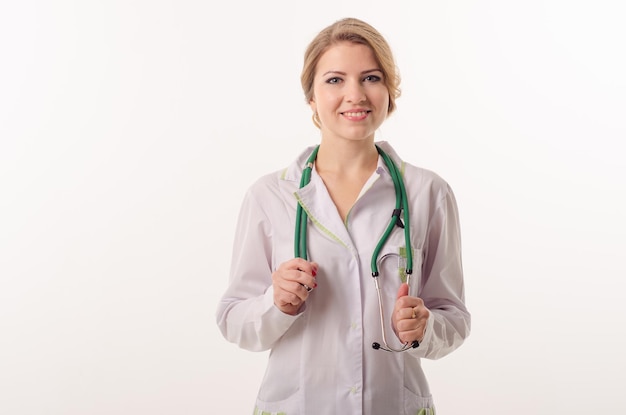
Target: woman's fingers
(293,281)
(410,318)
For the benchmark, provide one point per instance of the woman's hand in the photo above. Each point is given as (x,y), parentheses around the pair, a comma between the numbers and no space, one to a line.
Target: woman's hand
(409,316)
(293,281)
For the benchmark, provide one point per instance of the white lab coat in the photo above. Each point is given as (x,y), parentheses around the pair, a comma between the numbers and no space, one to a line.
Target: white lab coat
(321,360)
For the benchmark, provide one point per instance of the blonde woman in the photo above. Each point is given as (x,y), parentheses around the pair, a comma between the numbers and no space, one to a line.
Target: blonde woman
(341,341)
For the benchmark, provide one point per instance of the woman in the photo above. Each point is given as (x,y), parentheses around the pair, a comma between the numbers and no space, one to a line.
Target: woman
(321,316)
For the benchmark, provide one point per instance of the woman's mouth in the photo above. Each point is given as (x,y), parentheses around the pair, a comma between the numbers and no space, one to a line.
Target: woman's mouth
(356,114)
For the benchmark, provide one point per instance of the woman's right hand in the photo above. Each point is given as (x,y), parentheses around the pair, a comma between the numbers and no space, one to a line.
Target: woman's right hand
(290,282)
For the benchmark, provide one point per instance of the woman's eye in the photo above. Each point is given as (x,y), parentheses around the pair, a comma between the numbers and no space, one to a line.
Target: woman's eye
(333,80)
(372,78)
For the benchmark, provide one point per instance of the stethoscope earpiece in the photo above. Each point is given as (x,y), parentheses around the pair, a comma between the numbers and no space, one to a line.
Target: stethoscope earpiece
(414,345)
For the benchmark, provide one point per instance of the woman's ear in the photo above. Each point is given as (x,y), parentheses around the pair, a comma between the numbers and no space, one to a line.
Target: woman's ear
(315,117)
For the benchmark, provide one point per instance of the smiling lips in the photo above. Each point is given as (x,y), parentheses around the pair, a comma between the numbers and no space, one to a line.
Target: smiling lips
(356,115)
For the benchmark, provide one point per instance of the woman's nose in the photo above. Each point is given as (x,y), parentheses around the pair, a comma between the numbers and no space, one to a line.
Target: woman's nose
(355,92)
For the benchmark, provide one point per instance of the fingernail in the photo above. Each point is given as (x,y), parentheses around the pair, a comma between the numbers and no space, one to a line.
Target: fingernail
(315,285)
(314,272)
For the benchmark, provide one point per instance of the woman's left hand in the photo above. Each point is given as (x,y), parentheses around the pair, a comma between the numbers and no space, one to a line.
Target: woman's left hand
(410,316)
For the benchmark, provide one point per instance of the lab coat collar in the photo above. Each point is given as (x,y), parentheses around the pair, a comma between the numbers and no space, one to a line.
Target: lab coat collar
(316,200)
(294,171)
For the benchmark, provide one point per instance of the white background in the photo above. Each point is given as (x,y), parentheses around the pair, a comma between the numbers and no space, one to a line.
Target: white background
(129,131)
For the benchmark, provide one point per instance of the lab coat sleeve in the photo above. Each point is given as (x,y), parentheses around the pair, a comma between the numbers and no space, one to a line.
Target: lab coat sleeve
(443,291)
(246,314)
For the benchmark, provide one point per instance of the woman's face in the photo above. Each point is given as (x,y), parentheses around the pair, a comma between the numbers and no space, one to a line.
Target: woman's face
(349,94)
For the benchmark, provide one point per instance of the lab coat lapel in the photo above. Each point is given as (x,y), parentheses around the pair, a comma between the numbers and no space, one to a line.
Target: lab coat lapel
(316,201)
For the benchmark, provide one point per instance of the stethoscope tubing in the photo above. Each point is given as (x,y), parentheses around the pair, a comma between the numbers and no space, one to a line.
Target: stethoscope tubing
(301,216)
(402,204)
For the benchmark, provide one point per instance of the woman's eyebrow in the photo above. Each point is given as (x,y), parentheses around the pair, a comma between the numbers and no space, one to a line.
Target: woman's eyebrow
(333,72)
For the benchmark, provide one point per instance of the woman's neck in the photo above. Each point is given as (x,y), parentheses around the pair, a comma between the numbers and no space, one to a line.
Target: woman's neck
(347,158)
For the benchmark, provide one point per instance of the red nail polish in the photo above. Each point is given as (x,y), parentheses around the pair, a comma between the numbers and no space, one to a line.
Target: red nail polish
(314,272)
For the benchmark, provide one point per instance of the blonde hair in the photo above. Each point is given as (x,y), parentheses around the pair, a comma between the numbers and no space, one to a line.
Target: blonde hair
(354,31)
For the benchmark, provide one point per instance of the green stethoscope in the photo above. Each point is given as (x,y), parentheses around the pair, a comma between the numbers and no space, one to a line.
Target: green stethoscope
(402,206)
